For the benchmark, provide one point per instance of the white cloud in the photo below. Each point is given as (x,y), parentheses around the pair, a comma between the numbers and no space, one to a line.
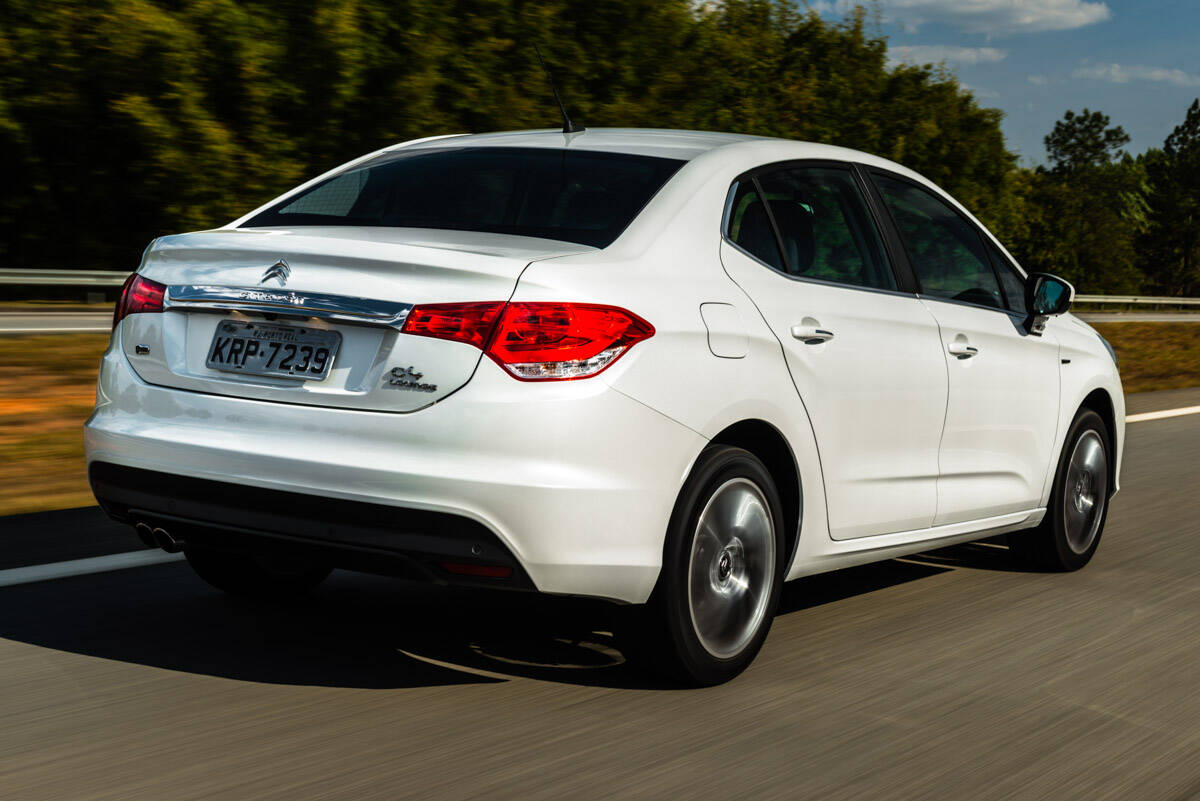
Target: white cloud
(1037,80)
(1118,73)
(980,92)
(936,54)
(830,7)
(997,16)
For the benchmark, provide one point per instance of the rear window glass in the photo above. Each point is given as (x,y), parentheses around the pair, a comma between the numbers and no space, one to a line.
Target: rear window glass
(586,197)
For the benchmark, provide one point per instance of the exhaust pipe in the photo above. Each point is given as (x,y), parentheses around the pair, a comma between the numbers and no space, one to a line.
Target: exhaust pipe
(146,535)
(167,541)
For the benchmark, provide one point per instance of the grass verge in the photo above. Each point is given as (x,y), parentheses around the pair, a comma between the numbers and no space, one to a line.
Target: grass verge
(1155,356)
(47,390)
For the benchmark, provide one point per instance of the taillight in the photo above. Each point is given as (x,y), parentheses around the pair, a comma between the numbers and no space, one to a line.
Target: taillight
(461,322)
(561,341)
(536,341)
(139,295)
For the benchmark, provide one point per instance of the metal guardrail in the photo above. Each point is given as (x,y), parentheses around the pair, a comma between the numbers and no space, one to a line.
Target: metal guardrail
(117,278)
(63,277)
(1138,300)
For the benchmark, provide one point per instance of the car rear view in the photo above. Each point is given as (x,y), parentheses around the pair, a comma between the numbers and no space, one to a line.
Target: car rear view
(341,380)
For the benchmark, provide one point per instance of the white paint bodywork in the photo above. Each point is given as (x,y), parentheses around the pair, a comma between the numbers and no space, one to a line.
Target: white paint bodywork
(875,394)
(898,446)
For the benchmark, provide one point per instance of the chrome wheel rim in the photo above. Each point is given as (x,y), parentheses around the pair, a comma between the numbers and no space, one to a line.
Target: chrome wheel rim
(731,572)
(1085,491)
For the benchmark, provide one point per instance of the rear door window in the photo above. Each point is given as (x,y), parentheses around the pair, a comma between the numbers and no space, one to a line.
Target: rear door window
(749,227)
(825,228)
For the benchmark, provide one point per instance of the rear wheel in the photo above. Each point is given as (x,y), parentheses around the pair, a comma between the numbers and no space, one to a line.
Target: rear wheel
(1070,532)
(255,577)
(721,576)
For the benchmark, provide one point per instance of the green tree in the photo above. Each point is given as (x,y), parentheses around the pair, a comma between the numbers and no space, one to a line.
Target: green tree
(1082,141)
(122,120)
(1172,240)
(1086,212)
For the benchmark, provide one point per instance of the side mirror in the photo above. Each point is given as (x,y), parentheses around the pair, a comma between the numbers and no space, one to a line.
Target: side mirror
(1046,295)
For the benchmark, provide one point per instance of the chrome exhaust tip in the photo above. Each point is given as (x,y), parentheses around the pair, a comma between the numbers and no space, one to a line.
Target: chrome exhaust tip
(167,541)
(146,535)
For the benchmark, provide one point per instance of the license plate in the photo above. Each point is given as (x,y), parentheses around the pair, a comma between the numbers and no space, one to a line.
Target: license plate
(283,351)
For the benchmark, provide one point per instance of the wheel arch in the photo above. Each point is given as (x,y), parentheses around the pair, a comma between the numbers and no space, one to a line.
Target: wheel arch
(1100,402)
(767,443)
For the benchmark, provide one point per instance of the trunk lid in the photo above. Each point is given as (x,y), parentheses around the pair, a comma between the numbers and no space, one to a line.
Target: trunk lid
(347,284)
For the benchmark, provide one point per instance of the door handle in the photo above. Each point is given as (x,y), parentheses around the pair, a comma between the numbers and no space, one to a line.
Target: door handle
(962,350)
(811,335)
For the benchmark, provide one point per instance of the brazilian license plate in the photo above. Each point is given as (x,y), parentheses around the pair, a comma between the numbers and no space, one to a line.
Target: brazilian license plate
(282,351)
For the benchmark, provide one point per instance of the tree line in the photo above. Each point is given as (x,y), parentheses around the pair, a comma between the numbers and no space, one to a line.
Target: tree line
(122,120)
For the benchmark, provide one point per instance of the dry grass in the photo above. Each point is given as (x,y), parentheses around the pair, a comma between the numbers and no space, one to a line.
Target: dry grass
(53,305)
(47,389)
(1155,356)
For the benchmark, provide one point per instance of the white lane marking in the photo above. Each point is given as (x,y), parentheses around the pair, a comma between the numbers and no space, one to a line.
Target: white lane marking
(1138,418)
(82,567)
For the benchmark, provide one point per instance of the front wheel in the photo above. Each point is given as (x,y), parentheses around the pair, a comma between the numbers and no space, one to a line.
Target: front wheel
(722,570)
(1070,532)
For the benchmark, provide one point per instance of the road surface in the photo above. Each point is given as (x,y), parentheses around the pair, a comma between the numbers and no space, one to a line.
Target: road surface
(952,675)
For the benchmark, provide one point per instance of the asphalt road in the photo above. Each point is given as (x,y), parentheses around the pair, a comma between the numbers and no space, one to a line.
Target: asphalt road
(952,675)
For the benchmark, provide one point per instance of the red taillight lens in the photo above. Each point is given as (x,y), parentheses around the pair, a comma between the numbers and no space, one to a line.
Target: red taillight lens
(536,341)
(461,322)
(561,341)
(139,295)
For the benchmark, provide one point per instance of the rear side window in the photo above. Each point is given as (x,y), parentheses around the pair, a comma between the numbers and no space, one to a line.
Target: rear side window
(749,227)
(945,250)
(553,193)
(826,230)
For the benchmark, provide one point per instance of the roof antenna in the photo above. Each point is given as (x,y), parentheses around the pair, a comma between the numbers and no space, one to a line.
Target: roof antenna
(568,126)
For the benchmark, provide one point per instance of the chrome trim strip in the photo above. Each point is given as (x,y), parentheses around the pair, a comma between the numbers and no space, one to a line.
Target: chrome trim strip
(287,302)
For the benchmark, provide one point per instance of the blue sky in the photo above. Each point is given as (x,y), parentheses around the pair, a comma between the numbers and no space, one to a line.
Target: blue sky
(1136,60)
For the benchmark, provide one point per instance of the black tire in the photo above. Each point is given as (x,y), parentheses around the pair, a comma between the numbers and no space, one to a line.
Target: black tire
(248,576)
(1056,544)
(663,634)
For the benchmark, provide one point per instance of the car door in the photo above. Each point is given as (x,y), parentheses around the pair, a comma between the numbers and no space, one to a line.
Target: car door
(864,354)
(1002,411)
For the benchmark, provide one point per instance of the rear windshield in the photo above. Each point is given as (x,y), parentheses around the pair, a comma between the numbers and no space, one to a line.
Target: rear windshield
(586,197)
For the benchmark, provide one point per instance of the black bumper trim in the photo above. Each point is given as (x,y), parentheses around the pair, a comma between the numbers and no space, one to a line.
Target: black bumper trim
(354,535)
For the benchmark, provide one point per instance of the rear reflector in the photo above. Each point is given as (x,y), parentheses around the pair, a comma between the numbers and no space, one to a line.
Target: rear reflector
(484,571)
(536,341)
(138,296)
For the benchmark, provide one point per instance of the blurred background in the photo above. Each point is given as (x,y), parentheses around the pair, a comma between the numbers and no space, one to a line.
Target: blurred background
(123,120)
(1070,127)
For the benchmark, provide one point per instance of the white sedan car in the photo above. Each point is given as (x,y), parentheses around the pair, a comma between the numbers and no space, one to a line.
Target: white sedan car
(668,369)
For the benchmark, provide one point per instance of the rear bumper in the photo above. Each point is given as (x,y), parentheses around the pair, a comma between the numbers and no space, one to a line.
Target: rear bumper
(354,535)
(572,483)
